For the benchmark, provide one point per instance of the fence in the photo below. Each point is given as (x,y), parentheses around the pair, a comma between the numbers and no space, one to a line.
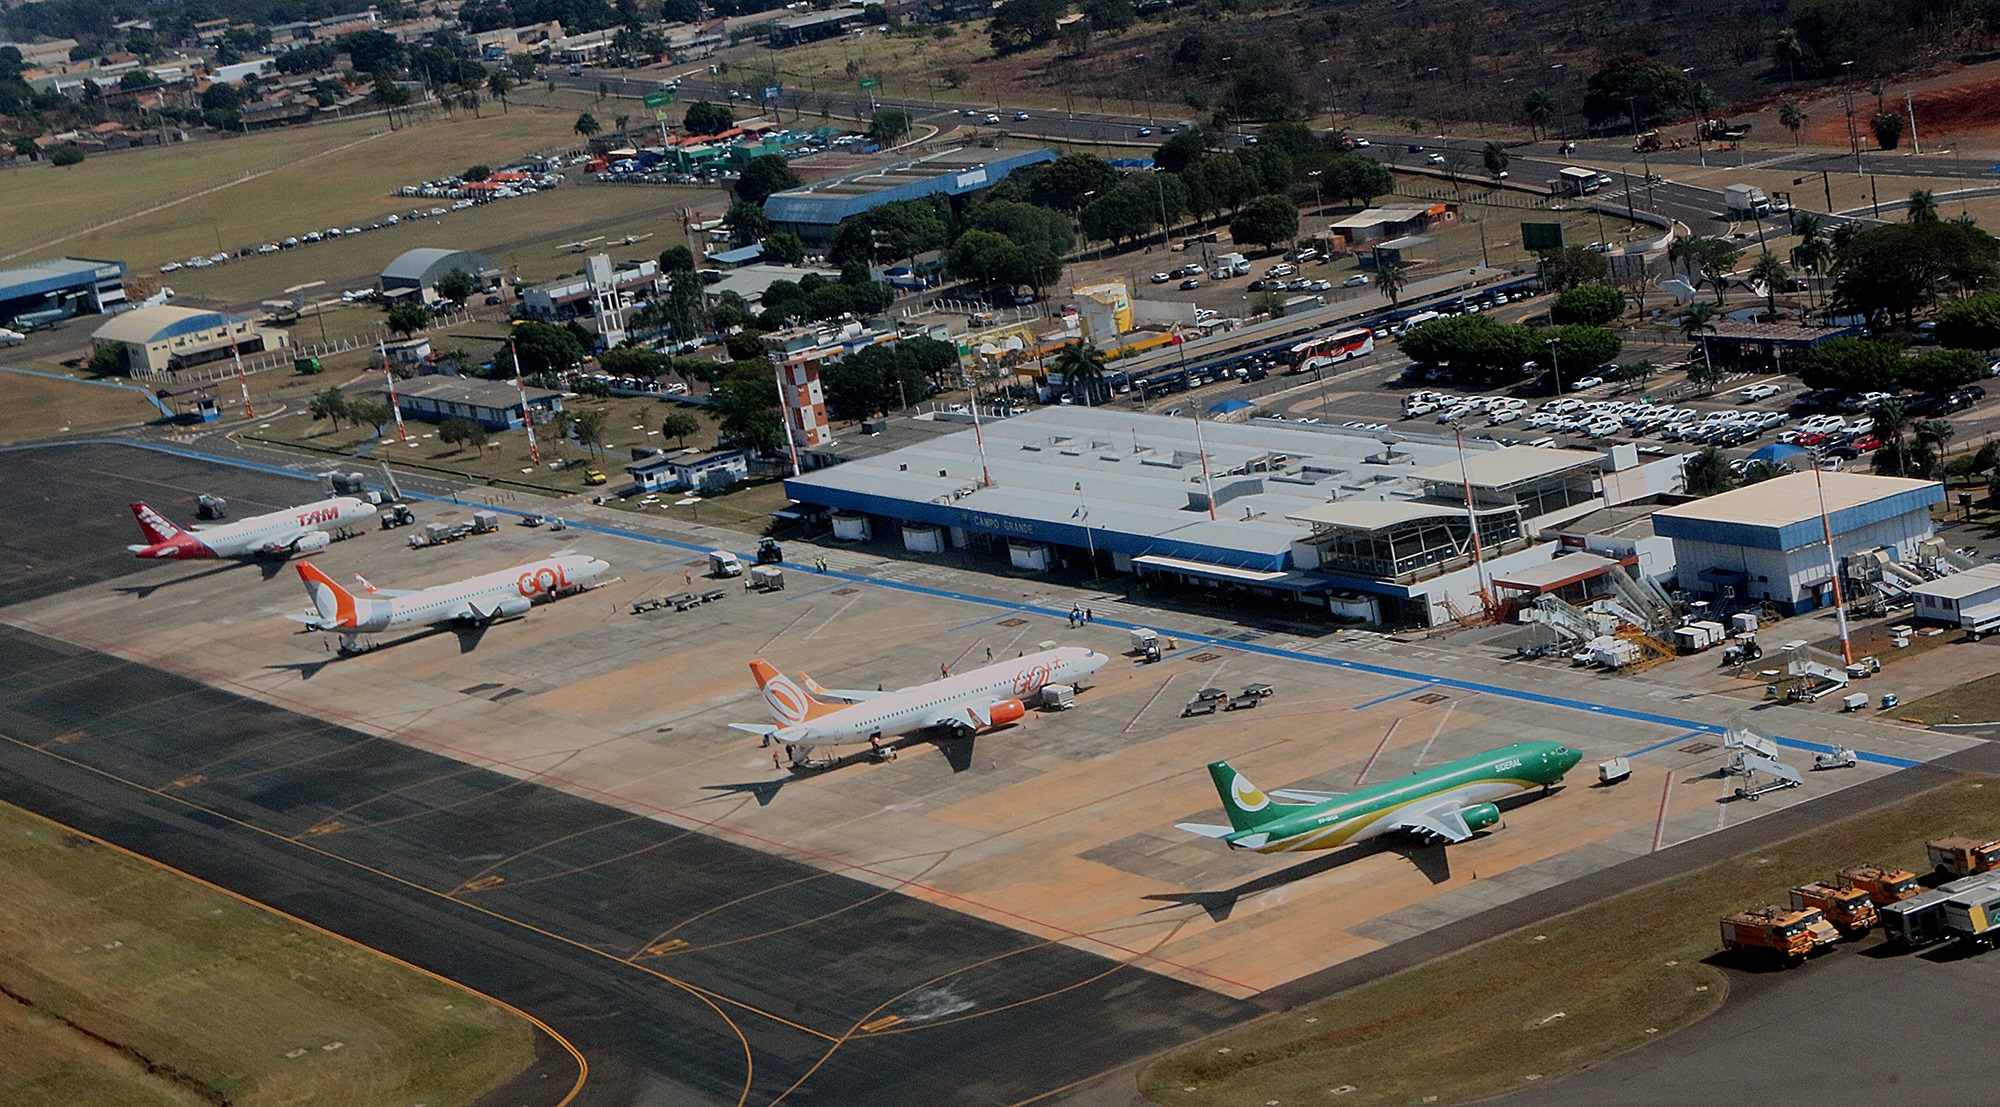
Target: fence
(284,356)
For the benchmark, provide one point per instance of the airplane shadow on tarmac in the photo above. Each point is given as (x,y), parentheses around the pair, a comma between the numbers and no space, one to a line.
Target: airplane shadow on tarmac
(957,753)
(142,591)
(469,638)
(1432,861)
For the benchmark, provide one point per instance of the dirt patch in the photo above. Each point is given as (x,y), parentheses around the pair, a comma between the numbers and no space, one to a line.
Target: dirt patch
(1968,109)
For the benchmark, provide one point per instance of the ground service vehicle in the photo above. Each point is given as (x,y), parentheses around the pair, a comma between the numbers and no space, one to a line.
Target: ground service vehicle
(1883,885)
(1573,181)
(1974,916)
(1961,856)
(1778,932)
(1848,909)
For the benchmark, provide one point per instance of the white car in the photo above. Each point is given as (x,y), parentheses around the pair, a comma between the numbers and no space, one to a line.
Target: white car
(1434,159)
(171,267)
(1755,392)
(1503,415)
(1282,269)
(1020,117)
(991,118)
(1162,278)
(1585,384)
(1356,281)
(1425,407)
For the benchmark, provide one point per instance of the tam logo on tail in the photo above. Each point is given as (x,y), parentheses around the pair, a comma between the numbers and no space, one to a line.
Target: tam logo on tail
(790,704)
(154,524)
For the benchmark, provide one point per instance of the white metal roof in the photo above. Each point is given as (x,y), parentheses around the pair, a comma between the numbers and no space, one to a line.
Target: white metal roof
(1373,514)
(1509,466)
(1961,586)
(1792,498)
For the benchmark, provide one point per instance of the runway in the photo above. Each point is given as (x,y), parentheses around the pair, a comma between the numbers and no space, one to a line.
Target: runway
(687,969)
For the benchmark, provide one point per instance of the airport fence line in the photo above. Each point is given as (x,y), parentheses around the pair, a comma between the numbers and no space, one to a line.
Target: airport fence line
(285,356)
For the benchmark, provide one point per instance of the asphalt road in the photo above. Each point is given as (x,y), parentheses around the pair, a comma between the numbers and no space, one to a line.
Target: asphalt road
(684,967)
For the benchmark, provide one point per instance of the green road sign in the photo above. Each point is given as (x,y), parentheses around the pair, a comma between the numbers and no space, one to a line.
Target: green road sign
(659,99)
(870,84)
(659,117)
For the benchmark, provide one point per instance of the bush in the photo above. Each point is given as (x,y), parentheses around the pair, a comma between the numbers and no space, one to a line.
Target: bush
(69,153)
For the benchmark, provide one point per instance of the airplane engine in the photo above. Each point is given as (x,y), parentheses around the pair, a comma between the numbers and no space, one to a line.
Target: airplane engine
(1006,711)
(510,606)
(1480,816)
(307,543)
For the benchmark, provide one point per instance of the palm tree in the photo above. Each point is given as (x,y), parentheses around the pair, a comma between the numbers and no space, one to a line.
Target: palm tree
(1772,273)
(1082,367)
(1891,418)
(587,125)
(1790,49)
(1495,158)
(498,85)
(1792,118)
(1391,279)
(1923,206)
(622,121)
(1699,318)
(1540,107)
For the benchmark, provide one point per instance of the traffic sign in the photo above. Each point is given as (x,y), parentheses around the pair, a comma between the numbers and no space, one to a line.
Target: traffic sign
(659,99)
(771,91)
(870,84)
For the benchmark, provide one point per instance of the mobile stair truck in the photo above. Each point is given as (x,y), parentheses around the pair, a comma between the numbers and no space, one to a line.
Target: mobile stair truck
(1848,909)
(1778,932)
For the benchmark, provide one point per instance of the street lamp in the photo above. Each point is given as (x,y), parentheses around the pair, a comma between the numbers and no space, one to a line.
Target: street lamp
(1318,203)
(1555,364)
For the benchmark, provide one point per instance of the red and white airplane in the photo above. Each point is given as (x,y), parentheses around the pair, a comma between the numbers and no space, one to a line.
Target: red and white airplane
(300,529)
(806,714)
(474,601)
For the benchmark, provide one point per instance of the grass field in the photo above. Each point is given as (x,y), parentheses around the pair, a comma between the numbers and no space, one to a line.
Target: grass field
(1483,1022)
(35,407)
(129,985)
(1975,701)
(327,175)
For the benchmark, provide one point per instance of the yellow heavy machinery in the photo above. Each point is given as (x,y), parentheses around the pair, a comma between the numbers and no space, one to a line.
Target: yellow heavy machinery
(1962,856)
(1884,885)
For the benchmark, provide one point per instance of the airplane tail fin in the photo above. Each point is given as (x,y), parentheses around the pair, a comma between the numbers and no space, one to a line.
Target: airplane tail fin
(157,528)
(790,704)
(1247,805)
(334,604)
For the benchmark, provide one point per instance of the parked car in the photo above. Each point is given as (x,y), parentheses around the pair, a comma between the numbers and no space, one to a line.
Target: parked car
(1358,280)
(1191,284)
(1162,278)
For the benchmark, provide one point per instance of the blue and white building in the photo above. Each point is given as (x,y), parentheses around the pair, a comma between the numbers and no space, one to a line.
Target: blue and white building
(813,211)
(46,291)
(1766,541)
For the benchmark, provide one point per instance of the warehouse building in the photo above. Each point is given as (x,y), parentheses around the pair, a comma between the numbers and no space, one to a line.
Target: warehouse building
(1765,542)
(415,273)
(163,339)
(495,405)
(1265,510)
(46,291)
(813,211)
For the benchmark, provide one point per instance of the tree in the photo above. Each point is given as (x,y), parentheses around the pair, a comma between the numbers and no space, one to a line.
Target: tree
(1970,324)
(784,248)
(1082,367)
(1850,365)
(1494,157)
(678,425)
(1067,183)
(1635,84)
(498,85)
(1790,49)
(953,76)
(888,126)
(1707,473)
(1266,220)
(1571,266)
(1592,305)
(1109,16)
(704,118)
(1699,318)
(457,286)
(1896,270)
(1177,153)
(681,11)
(745,401)
(1708,260)
(587,125)
(1584,346)
(375,413)
(1932,436)
(1539,107)
(746,223)
(1888,128)
(1028,23)
(1392,279)
(1938,370)
(763,175)
(1792,118)
(542,347)
(902,229)
(1772,274)
(67,153)
(408,319)
(1356,178)
(461,432)
(588,426)
(1923,206)
(329,404)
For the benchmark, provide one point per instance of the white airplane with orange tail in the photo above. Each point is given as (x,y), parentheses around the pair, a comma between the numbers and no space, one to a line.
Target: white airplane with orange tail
(806,714)
(474,601)
(301,529)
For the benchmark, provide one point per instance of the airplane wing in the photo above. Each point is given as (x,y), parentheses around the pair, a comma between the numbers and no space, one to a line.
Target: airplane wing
(972,716)
(1446,821)
(1206,830)
(1301,795)
(850,695)
(282,542)
(753,728)
(385,593)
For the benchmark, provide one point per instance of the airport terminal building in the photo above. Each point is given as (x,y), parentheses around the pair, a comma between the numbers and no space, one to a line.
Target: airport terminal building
(1373,526)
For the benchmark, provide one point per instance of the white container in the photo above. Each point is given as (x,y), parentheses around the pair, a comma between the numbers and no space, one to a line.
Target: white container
(1143,639)
(1614,770)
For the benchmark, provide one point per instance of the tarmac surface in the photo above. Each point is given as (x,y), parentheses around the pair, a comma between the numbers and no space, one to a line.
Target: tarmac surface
(547,808)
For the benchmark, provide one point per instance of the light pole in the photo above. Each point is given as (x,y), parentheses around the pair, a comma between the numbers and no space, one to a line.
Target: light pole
(1853,133)
(1555,364)
(1319,204)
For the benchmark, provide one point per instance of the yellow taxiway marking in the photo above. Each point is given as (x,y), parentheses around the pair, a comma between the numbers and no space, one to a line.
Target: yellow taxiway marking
(659,949)
(189,781)
(883,1023)
(327,827)
(482,883)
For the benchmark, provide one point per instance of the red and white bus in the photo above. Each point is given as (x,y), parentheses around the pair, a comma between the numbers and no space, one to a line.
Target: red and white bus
(1319,353)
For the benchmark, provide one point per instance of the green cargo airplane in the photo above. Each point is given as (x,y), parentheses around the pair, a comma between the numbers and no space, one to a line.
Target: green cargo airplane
(1445,804)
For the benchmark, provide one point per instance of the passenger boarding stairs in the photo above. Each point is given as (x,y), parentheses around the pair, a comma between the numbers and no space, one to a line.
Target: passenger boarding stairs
(1642,596)
(1571,622)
